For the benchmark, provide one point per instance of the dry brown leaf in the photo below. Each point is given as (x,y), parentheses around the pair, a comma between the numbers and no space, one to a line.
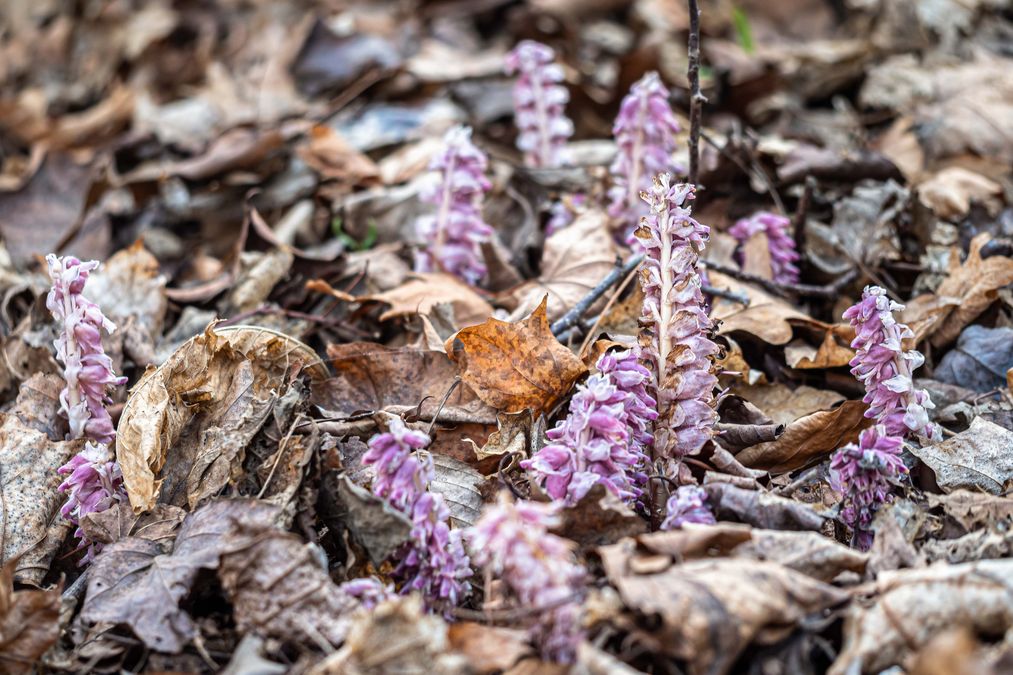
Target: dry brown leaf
(29,623)
(575,260)
(134,582)
(976,459)
(395,637)
(830,354)
(949,192)
(810,553)
(32,526)
(599,518)
(461,487)
(129,285)
(370,377)
(785,405)
(226,378)
(516,366)
(423,291)
(913,606)
(372,522)
(967,291)
(489,649)
(766,317)
(756,256)
(119,522)
(760,508)
(973,509)
(711,610)
(331,156)
(808,438)
(278,588)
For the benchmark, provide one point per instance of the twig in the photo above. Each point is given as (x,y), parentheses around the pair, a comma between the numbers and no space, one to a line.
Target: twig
(696,99)
(511,613)
(831,290)
(604,312)
(727,294)
(577,311)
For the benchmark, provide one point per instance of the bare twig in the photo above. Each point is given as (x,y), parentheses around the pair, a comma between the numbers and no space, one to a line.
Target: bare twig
(604,312)
(577,311)
(696,98)
(831,290)
(727,294)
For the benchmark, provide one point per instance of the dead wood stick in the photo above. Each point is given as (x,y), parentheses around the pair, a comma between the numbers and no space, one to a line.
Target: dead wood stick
(577,311)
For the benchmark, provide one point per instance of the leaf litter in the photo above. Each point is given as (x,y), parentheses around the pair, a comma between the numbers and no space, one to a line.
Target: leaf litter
(262,183)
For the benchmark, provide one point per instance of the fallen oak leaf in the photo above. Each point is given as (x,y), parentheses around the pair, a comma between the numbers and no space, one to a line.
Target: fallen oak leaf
(976,459)
(516,366)
(29,622)
(808,438)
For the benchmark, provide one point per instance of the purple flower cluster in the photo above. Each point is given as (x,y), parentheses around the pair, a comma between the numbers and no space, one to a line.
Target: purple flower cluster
(539,104)
(93,485)
(644,130)
(865,474)
(433,561)
(780,243)
(884,367)
(455,233)
(512,541)
(369,591)
(674,338)
(604,436)
(688,504)
(87,369)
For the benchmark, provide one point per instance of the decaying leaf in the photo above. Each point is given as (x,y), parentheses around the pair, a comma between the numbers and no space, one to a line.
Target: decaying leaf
(810,553)
(32,526)
(134,582)
(375,524)
(969,288)
(396,637)
(460,486)
(785,405)
(198,385)
(119,522)
(913,606)
(766,316)
(130,286)
(29,623)
(279,588)
(830,354)
(575,260)
(976,459)
(973,509)
(489,649)
(711,610)
(598,518)
(760,509)
(424,290)
(516,366)
(808,438)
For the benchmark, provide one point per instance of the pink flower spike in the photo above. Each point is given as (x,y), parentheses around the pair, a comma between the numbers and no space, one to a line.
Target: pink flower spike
(688,504)
(865,474)
(674,325)
(645,131)
(885,368)
(94,483)
(539,104)
(511,540)
(433,561)
(780,243)
(454,235)
(87,369)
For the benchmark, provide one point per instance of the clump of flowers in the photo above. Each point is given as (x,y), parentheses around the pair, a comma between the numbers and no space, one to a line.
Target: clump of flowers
(512,542)
(369,591)
(87,369)
(688,504)
(94,483)
(865,474)
(645,131)
(883,365)
(603,438)
(433,561)
(455,233)
(674,324)
(539,104)
(780,243)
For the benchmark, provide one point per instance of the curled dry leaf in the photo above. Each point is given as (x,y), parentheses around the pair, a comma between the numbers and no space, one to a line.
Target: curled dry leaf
(119,522)
(278,588)
(830,354)
(32,527)
(711,610)
(516,366)
(461,487)
(973,509)
(783,404)
(810,553)
(599,517)
(760,509)
(575,260)
(370,377)
(373,523)
(976,459)
(29,622)
(913,606)
(808,439)
(949,192)
(969,288)
(130,286)
(766,316)
(134,582)
(396,637)
(488,649)
(222,376)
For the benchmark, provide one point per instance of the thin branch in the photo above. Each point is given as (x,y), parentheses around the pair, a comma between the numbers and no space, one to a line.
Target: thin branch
(696,98)
(727,294)
(577,311)
(831,290)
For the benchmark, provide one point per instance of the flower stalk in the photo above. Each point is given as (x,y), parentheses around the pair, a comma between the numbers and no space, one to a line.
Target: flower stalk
(539,104)
(780,243)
